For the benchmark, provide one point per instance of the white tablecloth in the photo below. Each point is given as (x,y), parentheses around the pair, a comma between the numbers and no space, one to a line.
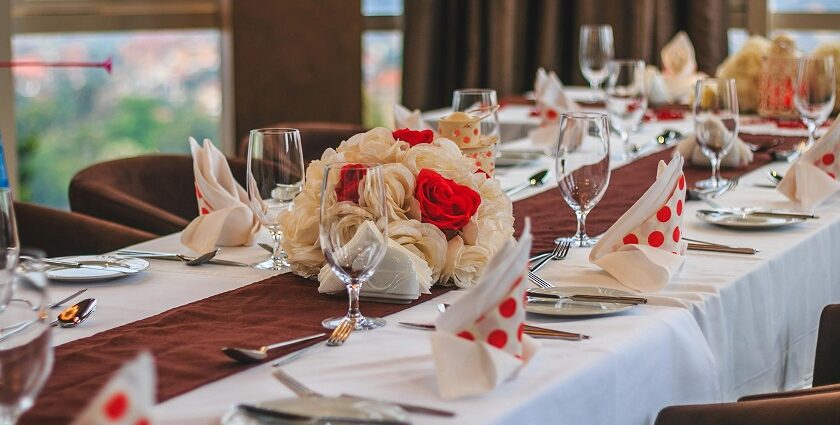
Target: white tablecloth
(728,325)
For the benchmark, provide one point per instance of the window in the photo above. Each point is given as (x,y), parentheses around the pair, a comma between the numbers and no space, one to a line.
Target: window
(382,48)
(165,85)
(809,22)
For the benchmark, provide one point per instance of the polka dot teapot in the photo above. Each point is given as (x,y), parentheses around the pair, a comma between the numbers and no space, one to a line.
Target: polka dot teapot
(464,128)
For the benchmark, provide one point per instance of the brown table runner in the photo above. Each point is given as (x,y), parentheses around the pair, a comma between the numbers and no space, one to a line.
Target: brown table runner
(186,340)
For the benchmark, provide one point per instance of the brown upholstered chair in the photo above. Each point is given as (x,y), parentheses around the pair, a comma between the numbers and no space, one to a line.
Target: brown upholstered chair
(315,137)
(59,233)
(822,408)
(817,405)
(154,193)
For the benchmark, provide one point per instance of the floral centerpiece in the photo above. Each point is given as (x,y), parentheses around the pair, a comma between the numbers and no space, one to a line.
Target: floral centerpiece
(440,207)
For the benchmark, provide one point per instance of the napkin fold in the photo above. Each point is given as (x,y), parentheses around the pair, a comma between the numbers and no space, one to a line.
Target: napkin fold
(679,67)
(552,101)
(813,177)
(644,249)
(402,275)
(479,341)
(739,154)
(406,118)
(127,399)
(224,216)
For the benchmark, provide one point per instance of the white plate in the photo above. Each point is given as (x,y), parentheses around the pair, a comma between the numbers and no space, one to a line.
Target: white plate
(514,158)
(575,308)
(84,274)
(736,221)
(320,407)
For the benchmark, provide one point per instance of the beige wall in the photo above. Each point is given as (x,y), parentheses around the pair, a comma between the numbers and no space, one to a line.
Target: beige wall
(295,60)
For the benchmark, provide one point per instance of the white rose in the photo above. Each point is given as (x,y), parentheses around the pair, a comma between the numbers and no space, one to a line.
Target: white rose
(422,239)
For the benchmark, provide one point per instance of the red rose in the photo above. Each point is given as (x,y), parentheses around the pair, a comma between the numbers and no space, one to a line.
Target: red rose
(349,178)
(444,203)
(413,137)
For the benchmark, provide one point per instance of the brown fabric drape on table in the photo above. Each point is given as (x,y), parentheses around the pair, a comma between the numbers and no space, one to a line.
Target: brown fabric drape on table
(501,43)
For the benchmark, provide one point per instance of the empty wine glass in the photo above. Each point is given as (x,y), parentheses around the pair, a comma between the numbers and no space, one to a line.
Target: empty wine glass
(583,166)
(354,231)
(596,51)
(275,176)
(479,102)
(625,98)
(26,355)
(9,246)
(715,124)
(814,92)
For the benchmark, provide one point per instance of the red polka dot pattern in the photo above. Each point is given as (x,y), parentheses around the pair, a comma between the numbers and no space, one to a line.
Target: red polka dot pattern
(631,239)
(466,335)
(676,234)
(664,214)
(143,421)
(662,230)
(204,211)
(828,162)
(498,338)
(116,407)
(507,307)
(679,207)
(828,159)
(656,239)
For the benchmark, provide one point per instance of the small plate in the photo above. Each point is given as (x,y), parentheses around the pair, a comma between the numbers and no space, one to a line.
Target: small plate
(82,274)
(575,308)
(344,407)
(737,221)
(512,158)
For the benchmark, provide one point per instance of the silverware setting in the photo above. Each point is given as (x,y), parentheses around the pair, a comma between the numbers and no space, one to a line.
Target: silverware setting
(170,256)
(248,355)
(775,177)
(744,212)
(666,138)
(542,283)
(538,179)
(341,333)
(93,265)
(68,318)
(274,415)
(561,250)
(303,391)
(539,297)
(712,193)
(56,304)
(535,331)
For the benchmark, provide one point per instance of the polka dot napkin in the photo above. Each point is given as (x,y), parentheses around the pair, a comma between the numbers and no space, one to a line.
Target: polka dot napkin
(813,177)
(479,341)
(551,101)
(224,216)
(127,399)
(644,249)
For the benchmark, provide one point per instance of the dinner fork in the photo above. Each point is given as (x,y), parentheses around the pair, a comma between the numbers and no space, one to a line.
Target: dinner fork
(561,250)
(538,280)
(341,332)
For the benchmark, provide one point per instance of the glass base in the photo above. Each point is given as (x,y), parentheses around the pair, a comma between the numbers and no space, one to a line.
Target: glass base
(362,324)
(710,184)
(578,240)
(281,265)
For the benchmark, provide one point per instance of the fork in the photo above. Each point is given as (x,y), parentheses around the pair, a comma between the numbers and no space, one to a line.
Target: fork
(561,250)
(341,332)
(538,280)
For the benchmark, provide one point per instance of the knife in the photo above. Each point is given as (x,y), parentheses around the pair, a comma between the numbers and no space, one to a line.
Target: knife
(760,213)
(411,408)
(151,255)
(252,410)
(722,248)
(534,296)
(528,329)
(76,265)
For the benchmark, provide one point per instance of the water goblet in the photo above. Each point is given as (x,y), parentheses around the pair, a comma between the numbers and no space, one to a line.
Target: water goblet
(814,92)
(715,124)
(625,98)
(595,53)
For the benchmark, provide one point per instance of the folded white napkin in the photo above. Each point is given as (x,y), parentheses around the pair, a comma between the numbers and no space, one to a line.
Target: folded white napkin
(657,90)
(479,341)
(551,99)
(224,216)
(679,67)
(739,154)
(813,177)
(644,248)
(127,399)
(406,118)
(401,275)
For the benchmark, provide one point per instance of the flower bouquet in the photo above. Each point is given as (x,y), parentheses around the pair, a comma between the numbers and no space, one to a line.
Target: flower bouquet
(440,207)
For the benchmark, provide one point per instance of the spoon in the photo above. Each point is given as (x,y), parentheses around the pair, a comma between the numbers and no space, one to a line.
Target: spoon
(266,247)
(536,180)
(247,355)
(201,259)
(775,177)
(76,314)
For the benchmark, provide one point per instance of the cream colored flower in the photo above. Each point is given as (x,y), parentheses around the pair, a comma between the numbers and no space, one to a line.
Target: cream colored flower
(422,239)
(745,67)
(442,156)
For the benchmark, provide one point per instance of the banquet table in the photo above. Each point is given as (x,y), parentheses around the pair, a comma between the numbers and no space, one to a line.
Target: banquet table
(726,326)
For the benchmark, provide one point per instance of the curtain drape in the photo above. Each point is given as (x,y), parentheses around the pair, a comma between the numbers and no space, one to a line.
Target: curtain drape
(499,44)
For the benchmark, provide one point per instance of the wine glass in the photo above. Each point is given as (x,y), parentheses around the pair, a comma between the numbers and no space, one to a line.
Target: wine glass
(814,93)
(479,102)
(626,99)
(583,166)
(26,354)
(715,124)
(9,245)
(354,231)
(596,51)
(275,176)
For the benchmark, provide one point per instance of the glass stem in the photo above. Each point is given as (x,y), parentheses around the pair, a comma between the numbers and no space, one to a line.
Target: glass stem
(812,131)
(353,290)
(715,160)
(625,140)
(581,226)
(277,252)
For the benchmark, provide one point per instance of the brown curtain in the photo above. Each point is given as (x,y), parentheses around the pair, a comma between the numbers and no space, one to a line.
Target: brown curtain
(499,44)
